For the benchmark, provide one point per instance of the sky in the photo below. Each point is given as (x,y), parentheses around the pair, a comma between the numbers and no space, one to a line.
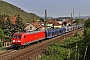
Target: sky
(55,8)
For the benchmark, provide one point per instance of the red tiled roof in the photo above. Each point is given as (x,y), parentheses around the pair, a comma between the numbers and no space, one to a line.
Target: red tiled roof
(85,19)
(13,19)
(5,18)
(39,22)
(27,24)
(67,21)
(56,23)
(37,25)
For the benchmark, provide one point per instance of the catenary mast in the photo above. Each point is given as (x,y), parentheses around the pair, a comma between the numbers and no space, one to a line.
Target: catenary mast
(45,21)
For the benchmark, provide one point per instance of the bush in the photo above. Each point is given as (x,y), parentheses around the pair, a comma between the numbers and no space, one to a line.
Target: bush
(61,51)
(1,43)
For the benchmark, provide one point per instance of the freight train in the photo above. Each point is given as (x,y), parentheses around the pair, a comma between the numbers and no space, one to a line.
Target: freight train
(25,38)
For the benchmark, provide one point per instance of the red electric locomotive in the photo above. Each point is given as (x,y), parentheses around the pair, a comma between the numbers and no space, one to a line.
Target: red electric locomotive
(20,39)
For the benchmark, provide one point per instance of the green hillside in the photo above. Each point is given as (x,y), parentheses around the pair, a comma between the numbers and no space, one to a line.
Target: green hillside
(11,10)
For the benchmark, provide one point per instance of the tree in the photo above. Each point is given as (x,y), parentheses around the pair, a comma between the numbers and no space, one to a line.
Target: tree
(1,21)
(19,26)
(87,28)
(1,35)
(65,24)
(87,37)
(78,21)
(8,28)
(41,19)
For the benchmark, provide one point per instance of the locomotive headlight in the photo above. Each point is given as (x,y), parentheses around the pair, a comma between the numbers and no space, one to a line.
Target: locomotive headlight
(13,40)
(19,41)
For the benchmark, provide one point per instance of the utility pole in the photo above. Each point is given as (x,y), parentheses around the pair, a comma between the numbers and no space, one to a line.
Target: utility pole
(72,16)
(71,19)
(73,12)
(45,21)
(85,53)
(76,52)
(79,16)
(68,57)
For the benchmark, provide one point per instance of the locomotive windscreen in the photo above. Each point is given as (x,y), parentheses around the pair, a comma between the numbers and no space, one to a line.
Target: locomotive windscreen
(17,36)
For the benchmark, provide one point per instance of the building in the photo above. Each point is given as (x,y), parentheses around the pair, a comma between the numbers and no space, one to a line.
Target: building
(33,26)
(53,24)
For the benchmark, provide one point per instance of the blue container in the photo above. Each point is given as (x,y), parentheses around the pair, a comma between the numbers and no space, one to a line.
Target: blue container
(60,31)
(64,30)
(49,33)
(56,31)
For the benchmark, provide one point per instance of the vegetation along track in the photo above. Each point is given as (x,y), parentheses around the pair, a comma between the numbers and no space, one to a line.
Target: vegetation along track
(33,51)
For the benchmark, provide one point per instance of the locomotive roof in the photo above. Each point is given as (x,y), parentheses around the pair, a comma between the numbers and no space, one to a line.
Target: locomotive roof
(19,33)
(35,31)
(27,32)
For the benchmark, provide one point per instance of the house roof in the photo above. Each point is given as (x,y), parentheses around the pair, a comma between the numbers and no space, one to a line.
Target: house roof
(12,18)
(27,24)
(37,25)
(67,21)
(85,19)
(39,22)
(56,23)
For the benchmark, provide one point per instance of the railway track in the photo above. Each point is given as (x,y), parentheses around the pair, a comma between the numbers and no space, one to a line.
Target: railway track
(8,52)
(33,51)
(41,47)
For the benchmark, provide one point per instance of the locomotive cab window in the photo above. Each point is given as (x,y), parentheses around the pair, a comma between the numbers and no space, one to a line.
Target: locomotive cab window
(24,36)
(17,36)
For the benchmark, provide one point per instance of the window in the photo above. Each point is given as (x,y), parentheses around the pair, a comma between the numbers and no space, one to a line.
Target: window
(24,36)
(17,36)
(30,28)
